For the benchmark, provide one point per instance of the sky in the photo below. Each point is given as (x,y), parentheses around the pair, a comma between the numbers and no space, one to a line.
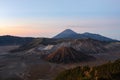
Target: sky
(46,18)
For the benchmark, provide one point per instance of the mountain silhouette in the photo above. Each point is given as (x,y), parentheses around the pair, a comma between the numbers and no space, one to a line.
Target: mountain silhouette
(14,40)
(70,34)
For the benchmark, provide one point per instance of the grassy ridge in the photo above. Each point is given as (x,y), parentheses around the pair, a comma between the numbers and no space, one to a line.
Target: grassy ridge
(109,71)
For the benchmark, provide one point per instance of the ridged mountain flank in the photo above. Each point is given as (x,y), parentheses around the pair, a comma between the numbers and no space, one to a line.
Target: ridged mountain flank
(68,55)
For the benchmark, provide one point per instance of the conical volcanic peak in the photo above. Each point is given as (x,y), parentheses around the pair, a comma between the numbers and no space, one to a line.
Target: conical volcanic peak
(67,55)
(68,33)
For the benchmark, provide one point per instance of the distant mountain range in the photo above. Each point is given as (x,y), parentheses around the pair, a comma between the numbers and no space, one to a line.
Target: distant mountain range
(66,34)
(13,40)
(67,50)
(70,34)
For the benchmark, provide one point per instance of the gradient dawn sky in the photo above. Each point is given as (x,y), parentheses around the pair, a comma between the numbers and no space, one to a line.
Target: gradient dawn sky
(46,18)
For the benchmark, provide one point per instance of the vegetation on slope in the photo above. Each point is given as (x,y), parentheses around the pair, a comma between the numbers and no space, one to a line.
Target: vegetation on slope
(109,71)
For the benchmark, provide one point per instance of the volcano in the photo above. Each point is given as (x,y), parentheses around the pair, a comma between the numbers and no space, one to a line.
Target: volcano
(68,33)
(68,55)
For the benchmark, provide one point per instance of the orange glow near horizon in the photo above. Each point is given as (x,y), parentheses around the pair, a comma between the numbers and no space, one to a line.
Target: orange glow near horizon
(49,28)
(13,31)
(26,31)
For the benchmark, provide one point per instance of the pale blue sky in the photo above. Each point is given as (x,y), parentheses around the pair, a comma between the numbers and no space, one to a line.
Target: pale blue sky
(48,17)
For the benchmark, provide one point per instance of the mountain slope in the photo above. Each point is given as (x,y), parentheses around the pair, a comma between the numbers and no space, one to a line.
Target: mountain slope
(97,37)
(69,34)
(13,40)
(67,55)
(108,71)
(86,45)
(35,43)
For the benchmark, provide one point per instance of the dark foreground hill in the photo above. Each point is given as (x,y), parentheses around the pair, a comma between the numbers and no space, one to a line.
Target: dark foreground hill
(68,55)
(13,40)
(109,71)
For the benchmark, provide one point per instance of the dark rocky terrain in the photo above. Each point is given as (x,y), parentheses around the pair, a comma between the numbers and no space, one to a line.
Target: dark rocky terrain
(44,58)
(68,55)
(87,45)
